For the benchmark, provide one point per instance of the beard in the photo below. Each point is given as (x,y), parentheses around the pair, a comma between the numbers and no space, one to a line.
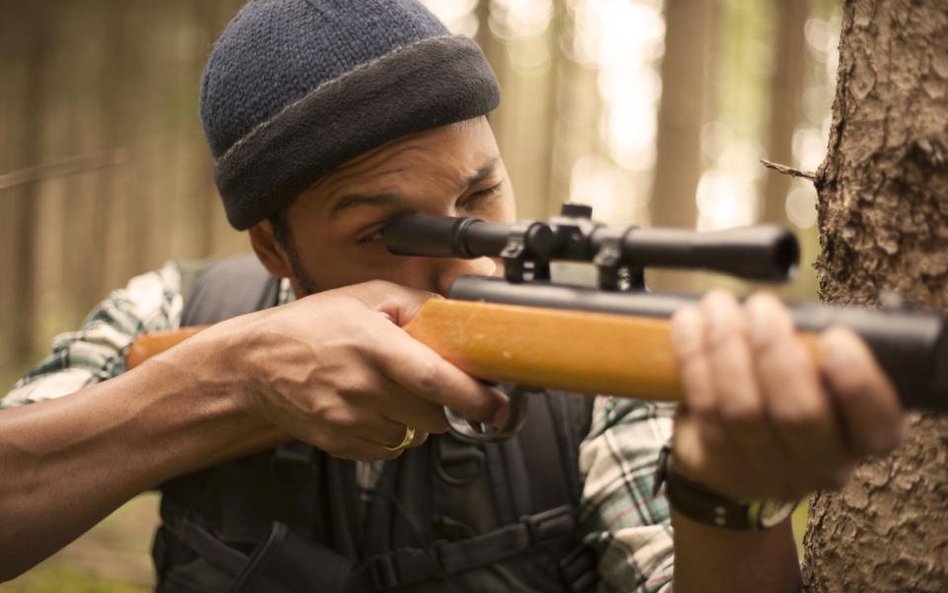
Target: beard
(301,274)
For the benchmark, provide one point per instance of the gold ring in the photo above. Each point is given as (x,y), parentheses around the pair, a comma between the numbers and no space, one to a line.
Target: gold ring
(406,440)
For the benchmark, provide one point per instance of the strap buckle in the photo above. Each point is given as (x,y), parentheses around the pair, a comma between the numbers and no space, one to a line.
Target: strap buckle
(549,524)
(402,567)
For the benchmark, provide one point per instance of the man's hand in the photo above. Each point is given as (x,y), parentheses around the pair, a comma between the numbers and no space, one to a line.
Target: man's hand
(759,418)
(336,370)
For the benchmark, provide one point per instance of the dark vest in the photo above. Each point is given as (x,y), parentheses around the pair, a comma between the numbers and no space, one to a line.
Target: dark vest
(446,516)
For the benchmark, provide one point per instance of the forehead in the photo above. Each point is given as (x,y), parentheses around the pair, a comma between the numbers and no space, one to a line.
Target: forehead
(438,158)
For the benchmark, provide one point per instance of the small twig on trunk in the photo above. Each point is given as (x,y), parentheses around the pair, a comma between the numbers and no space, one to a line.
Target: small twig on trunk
(784,169)
(70,166)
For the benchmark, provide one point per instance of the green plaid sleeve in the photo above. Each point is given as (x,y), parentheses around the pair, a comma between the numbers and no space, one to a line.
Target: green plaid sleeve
(96,352)
(628,527)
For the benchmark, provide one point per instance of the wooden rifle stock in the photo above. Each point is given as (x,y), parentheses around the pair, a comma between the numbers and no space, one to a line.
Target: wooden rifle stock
(585,352)
(153,344)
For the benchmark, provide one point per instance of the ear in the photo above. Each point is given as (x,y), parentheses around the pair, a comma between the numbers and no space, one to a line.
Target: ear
(269,251)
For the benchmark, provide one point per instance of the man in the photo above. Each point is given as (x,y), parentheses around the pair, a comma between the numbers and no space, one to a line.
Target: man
(326,118)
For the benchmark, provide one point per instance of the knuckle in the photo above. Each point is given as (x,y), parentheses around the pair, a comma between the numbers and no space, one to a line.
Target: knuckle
(427,375)
(805,413)
(340,417)
(848,385)
(741,413)
(718,298)
(702,405)
(686,333)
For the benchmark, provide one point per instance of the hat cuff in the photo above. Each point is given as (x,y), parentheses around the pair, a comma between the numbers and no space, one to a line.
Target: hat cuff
(417,87)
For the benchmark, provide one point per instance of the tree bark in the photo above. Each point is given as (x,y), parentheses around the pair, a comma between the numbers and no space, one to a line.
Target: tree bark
(883,215)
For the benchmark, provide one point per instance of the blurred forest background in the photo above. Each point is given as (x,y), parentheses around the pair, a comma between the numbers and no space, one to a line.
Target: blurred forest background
(655,113)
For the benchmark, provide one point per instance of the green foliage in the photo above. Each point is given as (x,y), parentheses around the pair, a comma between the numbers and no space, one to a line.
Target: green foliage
(62,579)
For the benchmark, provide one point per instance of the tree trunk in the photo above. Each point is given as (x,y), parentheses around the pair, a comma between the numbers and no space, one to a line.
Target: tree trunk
(786,96)
(884,228)
(688,34)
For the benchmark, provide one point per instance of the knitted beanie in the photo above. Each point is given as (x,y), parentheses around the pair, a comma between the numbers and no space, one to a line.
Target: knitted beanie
(295,88)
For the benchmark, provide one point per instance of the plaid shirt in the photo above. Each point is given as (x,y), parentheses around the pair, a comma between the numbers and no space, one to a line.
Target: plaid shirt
(620,518)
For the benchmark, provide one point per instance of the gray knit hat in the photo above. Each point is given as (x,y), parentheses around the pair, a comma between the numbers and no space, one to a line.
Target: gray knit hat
(294,88)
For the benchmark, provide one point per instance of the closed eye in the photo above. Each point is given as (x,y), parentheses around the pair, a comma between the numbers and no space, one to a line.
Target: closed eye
(375,235)
(473,200)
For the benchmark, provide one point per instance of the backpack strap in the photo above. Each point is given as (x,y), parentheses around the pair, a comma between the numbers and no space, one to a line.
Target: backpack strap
(214,292)
(536,504)
(558,422)
(405,566)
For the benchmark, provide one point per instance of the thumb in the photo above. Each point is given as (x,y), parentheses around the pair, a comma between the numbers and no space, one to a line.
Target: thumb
(398,303)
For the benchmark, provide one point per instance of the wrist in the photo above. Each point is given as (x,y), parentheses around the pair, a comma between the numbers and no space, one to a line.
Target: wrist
(215,372)
(702,504)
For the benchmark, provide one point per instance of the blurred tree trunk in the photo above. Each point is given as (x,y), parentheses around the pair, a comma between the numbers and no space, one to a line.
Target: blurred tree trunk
(686,65)
(884,227)
(579,109)
(27,18)
(688,36)
(786,94)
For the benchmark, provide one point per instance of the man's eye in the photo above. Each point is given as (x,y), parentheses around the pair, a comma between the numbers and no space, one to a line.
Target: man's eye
(376,235)
(479,196)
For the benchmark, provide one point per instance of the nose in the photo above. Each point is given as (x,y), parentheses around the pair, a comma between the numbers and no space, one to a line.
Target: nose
(449,270)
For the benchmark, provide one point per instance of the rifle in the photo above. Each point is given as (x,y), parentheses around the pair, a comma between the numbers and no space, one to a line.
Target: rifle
(530,332)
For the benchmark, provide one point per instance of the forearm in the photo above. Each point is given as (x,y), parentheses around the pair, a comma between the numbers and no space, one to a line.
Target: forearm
(69,462)
(711,560)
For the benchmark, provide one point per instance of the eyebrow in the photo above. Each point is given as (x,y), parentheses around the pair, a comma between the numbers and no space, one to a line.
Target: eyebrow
(484,172)
(355,200)
(351,201)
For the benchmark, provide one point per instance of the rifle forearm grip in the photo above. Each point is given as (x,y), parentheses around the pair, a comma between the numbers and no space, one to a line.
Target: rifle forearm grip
(153,344)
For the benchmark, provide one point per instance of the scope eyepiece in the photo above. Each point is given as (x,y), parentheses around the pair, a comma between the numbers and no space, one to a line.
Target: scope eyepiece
(463,237)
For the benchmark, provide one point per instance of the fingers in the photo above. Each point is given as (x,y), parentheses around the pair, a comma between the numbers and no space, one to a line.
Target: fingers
(865,398)
(760,417)
(800,411)
(394,436)
(363,435)
(699,428)
(421,371)
(735,448)
(739,400)
(406,408)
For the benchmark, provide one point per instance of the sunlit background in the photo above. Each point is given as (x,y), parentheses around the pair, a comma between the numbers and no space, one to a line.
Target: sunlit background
(654,113)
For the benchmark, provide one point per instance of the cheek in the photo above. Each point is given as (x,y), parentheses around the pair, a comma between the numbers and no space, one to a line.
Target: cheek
(337,265)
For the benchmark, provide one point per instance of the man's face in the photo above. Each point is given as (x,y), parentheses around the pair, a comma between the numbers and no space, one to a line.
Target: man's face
(335,226)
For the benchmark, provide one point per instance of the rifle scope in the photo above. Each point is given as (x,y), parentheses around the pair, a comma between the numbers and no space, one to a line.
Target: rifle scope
(757,253)
(765,252)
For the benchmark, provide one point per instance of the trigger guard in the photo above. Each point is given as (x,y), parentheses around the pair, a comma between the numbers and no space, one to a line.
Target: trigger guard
(482,432)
